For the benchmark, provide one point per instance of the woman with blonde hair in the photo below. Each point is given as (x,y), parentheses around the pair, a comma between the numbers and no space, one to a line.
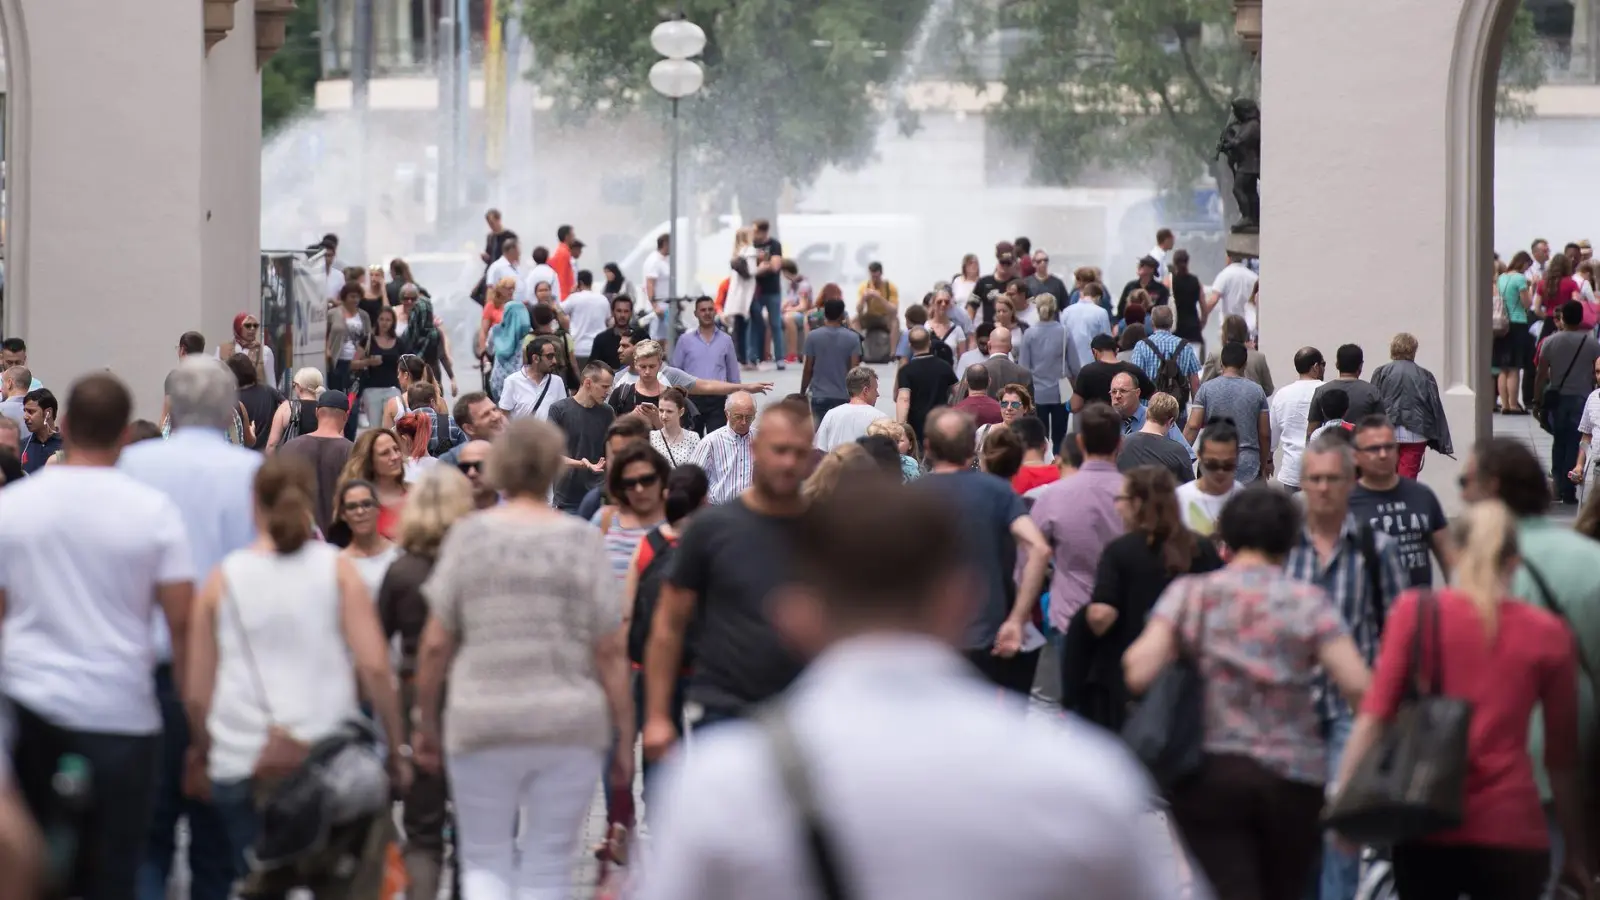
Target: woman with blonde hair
(1411,396)
(300,410)
(905,441)
(1475,626)
(832,468)
(527,622)
(377,459)
(1044,354)
(741,290)
(505,338)
(965,281)
(439,498)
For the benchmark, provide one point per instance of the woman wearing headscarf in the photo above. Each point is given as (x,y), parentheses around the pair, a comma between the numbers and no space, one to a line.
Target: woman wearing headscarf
(505,339)
(247,340)
(424,334)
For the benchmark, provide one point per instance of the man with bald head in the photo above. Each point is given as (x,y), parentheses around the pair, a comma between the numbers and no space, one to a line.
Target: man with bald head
(471,460)
(725,453)
(1290,410)
(923,383)
(1004,370)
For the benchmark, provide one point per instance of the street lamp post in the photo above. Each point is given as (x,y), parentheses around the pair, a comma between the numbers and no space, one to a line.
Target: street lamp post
(675,76)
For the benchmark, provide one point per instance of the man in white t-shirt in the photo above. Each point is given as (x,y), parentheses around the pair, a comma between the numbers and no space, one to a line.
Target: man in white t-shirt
(658,286)
(1164,242)
(589,313)
(87,555)
(1233,287)
(528,395)
(1200,501)
(845,423)
(541,271)
(509,265)
(1290,410)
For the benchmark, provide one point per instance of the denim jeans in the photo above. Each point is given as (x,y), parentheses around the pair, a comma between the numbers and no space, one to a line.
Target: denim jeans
(821,405)
(1341,872)
(214,862)
(104,842)
(765,307)
(1054,416)
(741,340)
(1564,444)
(339,380)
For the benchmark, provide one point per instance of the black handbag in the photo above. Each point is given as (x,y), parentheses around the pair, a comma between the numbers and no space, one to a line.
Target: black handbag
(1167,729)
(1412,781)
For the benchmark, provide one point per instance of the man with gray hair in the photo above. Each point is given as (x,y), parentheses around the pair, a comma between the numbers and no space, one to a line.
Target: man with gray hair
(844,424)
(1361,570)
(211,482)
(725,453)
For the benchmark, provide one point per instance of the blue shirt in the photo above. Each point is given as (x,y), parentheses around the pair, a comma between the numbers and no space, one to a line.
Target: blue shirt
(1083,321)
(1167,343)
(1136,421)
(713,360)
(212,483)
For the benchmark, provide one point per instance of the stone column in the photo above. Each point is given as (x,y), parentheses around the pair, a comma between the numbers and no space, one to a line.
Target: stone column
(104,260)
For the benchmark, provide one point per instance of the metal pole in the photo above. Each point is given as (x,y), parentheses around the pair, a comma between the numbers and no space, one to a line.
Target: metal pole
(360,83)
(463,107)
(445,70)
(672,240)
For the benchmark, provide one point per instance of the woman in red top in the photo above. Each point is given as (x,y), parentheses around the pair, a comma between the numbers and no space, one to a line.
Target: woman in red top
(1558,286)
(1505,658)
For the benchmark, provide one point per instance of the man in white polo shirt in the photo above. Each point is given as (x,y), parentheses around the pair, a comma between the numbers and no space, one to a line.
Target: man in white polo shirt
(87,555)
(845,423)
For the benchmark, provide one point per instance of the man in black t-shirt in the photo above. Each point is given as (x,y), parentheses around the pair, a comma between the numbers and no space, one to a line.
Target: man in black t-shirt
(923,383)
(1094,380)
(731,558)
(608,343)
(767,305)
(1145,282)
(1364,398)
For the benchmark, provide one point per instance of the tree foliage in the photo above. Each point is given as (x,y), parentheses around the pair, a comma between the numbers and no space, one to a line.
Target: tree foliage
(1142,85)
(289,79)
(790,87)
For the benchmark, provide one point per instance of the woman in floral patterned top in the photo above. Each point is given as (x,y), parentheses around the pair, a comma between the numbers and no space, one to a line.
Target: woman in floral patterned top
(1251,813)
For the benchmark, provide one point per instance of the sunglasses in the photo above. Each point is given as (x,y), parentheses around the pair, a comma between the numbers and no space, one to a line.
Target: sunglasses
(1010,404)
(360,506)
(467,468)
(1219,465)
(643,481)
(249,326)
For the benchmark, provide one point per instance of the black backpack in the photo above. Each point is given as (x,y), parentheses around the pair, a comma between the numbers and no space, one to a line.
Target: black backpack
(1169,375)
(291,428)
(662,550)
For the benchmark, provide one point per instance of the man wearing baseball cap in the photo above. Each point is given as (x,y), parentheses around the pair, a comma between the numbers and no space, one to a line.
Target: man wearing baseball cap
(326,450)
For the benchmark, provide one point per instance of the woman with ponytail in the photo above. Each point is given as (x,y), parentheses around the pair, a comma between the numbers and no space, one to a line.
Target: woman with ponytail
(1506,658)
(275,631)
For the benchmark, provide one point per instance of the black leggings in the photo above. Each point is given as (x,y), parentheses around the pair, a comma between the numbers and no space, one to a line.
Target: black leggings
(1014,673)
(1254,833)
(1448,872)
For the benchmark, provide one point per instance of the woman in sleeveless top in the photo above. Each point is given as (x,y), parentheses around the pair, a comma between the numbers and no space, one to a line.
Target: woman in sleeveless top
(270,649)
(307,387)
(636,481)
(527,623)
(370,552)
(442,496)
(376,458)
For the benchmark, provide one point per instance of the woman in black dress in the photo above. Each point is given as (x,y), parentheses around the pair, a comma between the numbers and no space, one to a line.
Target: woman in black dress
(1134,570)
(1187,293)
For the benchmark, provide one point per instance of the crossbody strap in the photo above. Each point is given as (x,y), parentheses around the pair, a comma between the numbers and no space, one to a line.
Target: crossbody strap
(260,686)
(1574,361)
(796,777)
(1555,607)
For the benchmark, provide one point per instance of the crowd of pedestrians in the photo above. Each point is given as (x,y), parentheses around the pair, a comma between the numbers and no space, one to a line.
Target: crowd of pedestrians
(837,617)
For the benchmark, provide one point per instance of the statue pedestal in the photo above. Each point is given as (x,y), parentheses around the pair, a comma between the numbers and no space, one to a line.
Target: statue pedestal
(1246,245)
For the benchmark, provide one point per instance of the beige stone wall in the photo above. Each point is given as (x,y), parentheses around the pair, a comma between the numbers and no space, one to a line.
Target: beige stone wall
(230,181)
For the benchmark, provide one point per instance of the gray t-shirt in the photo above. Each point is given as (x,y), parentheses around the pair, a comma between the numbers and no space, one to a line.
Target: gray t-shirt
(1145,449)
(1242,400)
(1364,400)
(831,346)
(1572,354)
(585,428)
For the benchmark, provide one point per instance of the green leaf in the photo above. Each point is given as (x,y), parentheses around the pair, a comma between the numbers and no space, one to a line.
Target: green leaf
(289,79)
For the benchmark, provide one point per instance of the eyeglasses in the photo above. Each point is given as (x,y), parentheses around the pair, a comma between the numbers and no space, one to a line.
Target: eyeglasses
(1379,449)
(467,468)
(740,417)
(1219,465)
(1010,404)
(1123,392)
(360,506)
(643,481)
(1041,258)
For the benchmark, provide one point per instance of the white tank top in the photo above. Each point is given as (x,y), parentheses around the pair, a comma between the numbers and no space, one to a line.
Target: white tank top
(289,607)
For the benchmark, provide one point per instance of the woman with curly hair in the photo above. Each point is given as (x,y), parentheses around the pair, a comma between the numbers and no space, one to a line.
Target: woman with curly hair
(376,458)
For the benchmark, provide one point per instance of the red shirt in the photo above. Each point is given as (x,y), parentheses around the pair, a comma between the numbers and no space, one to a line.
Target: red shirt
(1030,477)
(1530,661)
(561,261)
(982,407)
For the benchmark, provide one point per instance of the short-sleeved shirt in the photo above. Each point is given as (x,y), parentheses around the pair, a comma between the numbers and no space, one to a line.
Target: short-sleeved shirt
(526,600)
(1144,449)
(929,379)
(768,282)
(1511,285)
(832,346)
(1242,400)
(1200,509)
(732,558)
(1570,354)
(1167,343)
(1590,420)
(985,507)
(585,428)
(1235,283)
(1257,634)
(1364,400)
(1408,512)
(327,457)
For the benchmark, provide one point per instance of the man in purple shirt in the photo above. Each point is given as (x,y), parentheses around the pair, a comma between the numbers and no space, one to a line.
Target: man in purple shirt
(708,353)
(1078,515)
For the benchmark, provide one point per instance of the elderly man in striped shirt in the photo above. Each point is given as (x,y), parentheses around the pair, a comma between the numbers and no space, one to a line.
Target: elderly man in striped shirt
(1360,569)
(725,453)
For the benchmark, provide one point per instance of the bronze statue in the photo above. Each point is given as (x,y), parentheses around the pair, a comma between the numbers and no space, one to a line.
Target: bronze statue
(1241,144)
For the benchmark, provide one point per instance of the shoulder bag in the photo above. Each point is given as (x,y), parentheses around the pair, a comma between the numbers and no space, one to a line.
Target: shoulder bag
(1412,780)
(1552,391)
(821,850)
(1167,729)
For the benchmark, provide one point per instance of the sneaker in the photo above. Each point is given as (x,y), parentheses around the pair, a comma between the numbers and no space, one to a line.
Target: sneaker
(781,367)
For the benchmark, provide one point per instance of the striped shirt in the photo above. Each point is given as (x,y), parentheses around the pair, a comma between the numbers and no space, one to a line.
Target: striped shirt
(726,458)
(1344,578)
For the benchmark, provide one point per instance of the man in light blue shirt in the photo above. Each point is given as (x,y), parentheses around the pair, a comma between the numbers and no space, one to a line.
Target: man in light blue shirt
(1125,400)
(212,483)
(1083,320)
